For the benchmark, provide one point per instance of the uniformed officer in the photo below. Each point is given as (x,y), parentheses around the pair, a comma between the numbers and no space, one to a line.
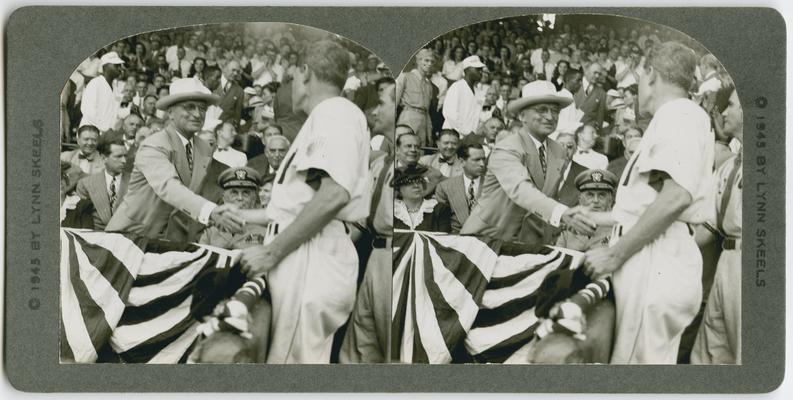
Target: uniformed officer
(596,192)
(240,188)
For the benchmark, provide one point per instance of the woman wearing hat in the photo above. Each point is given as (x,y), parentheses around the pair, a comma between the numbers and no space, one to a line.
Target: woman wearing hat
(411,210)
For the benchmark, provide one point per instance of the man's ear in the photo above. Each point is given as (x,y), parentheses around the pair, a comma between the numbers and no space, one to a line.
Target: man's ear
(306,73)
(651,73)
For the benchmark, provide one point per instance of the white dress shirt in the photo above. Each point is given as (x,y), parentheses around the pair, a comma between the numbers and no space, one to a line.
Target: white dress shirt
(591,159)
(231,157)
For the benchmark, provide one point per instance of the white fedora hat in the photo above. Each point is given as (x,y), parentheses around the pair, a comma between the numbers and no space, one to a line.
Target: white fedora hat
(538,92)
(186,89)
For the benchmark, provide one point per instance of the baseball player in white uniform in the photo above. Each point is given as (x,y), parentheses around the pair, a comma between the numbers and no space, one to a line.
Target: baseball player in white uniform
(310,262)
(663,192)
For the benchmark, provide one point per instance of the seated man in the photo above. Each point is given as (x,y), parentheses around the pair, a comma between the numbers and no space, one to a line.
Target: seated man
(240,188)
(596,192)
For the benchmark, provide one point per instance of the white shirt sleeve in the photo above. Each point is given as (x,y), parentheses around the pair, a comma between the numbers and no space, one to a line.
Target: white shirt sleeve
(678,149)
(206,211)
(332,145)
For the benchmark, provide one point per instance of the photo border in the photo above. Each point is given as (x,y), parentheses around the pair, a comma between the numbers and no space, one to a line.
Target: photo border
(33,85)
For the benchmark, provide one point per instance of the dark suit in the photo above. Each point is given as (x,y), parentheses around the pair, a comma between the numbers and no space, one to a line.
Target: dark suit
(515,186)
(94,187)
(568,194)
(260,164)
(161,185)
(453,192)
(231,103)
(594,107)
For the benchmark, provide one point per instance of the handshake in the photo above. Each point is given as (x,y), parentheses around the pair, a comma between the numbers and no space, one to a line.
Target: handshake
(228,217)
(583,221)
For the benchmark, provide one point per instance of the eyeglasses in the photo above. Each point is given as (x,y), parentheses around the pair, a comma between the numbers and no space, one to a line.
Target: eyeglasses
(543,110)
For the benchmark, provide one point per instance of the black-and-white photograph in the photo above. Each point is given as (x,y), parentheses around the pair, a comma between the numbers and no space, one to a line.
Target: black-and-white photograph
(568,190)
(226,198)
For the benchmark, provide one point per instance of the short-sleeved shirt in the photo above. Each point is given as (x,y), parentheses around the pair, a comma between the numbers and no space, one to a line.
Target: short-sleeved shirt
(679,142)
(731,223)
(333,139)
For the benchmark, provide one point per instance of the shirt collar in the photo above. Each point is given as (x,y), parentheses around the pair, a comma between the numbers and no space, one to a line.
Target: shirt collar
(537,143)
(223,81)
(109,178)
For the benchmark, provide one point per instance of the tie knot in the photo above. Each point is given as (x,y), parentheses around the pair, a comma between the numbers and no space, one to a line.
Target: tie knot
(583,151)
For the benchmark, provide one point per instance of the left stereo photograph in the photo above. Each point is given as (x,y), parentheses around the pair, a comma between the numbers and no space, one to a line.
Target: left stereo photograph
(225,198)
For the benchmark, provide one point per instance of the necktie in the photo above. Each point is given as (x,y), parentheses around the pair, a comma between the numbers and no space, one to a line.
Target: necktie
(112,192)
(82,156)
(471,196)
(189,150)
(543,164)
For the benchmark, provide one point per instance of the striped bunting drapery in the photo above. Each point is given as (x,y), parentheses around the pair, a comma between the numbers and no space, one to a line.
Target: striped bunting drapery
(130,293)
(464,298)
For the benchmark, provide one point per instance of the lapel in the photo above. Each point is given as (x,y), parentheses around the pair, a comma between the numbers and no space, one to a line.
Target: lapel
(532,160)
(122,189)
(202,155)
(179,155)
(556,162)
(99,196)
(458,197)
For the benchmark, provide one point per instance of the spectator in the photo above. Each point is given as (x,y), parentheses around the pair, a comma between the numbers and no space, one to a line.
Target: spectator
(85,156)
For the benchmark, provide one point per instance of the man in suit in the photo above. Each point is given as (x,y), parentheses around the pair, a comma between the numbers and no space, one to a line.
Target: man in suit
(275,150)
(169,171)
(106,189)
(407,154)
(230,93)
(568,191)
(445,160)
(129,129)
(85,156)
(461,191)
(593,97)
(487,135)
(523,175)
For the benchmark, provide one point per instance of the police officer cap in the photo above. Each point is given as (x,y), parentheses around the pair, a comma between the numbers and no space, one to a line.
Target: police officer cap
(241,177)
(406,176)
(596,179)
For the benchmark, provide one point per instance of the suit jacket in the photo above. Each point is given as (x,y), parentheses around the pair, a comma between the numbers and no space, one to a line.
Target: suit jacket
(452,191)
(514,185)
(260,164)
(161,185)
(73,157)
(594,107)
(181,227)
(568,194)
(94,187)
(231,103)
(433,160)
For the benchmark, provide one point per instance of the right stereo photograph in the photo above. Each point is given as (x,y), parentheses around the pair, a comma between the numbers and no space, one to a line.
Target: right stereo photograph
(567,190)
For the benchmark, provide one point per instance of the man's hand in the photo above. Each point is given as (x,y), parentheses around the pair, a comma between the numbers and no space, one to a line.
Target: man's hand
(575,219)
(601,261)
(226,217)
(256,260)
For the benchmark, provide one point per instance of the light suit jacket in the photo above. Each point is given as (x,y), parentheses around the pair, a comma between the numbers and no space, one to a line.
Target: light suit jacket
(514,185)
(94,188)
(161,185)
(453,192)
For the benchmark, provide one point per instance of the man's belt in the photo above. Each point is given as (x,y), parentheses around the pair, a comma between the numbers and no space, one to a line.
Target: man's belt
(381,242)
(731,243)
